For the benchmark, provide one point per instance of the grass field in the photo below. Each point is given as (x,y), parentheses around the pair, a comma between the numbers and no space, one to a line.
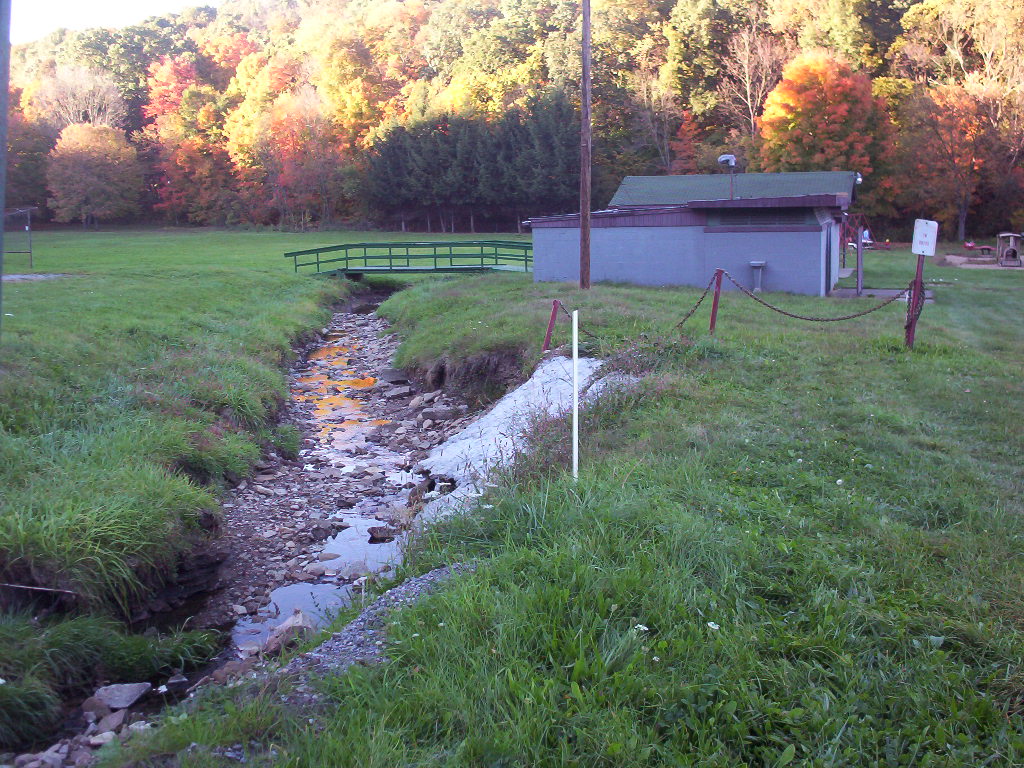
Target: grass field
(129,390)
(795,545)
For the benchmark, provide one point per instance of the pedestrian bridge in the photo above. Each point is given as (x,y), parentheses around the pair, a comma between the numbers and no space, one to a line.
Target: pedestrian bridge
(353,260)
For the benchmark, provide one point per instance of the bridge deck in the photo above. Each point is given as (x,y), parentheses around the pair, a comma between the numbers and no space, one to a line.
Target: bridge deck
(422,257)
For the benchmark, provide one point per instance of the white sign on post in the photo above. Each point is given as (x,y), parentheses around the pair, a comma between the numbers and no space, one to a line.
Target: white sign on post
(926,233)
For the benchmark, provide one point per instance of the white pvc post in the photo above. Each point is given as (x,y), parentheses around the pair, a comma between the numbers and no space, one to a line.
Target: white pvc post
(575,395)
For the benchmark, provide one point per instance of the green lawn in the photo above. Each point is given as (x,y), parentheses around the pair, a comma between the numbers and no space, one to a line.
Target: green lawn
(796,545)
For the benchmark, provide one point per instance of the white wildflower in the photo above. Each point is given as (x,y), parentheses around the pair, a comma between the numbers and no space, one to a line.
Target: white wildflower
(655,658)
(712,625)
(640,628)
(839,481)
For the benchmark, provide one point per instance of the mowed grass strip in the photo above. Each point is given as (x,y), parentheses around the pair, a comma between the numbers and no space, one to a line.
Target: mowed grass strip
(130,389)
(793,545)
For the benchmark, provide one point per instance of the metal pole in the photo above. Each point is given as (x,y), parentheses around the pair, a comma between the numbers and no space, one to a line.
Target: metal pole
(5,71)
(575,394)
(714,303)
(860,260)
(585,146)
(31,267)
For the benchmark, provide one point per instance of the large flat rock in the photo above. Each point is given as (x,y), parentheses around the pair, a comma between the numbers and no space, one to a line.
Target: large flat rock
(122,695)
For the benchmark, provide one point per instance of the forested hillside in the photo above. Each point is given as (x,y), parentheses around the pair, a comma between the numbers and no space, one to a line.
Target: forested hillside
(463,114)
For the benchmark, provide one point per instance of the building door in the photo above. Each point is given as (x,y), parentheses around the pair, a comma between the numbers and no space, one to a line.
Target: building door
(828,258)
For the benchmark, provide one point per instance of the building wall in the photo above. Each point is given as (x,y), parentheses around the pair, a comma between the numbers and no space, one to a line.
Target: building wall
(793,260)
(682,256)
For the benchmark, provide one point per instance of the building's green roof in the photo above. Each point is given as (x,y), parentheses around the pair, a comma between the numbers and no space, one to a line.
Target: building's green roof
(679,190)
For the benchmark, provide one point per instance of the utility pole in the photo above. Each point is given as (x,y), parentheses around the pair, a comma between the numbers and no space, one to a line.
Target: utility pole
(585,145)
(5,71)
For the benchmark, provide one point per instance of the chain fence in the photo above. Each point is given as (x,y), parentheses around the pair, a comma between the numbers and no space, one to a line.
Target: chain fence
(913,312)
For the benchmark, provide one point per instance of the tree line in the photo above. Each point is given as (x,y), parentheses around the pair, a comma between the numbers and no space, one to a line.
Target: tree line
(462,114)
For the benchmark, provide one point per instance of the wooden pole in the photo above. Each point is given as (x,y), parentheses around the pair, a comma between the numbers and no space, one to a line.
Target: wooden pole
(914,300)
(585,146)
(714,302)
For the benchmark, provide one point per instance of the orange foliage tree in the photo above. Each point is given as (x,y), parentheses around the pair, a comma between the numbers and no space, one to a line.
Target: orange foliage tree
(167,81)
(822,117)
(684,146)
(949,147)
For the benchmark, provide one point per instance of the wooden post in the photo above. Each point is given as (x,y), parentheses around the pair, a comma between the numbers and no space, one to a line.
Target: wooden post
(916,296)
(714,303)
(585,145)
(551,326)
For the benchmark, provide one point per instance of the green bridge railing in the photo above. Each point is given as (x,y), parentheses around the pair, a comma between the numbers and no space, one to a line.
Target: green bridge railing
(435,256)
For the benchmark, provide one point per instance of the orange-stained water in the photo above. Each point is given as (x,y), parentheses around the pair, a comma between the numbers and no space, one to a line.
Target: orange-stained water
(341,417)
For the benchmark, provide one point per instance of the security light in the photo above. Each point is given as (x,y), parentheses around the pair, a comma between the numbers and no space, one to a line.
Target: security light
(729,160)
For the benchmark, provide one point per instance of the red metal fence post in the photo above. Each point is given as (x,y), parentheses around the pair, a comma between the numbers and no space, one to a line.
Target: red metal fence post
(551,325)
(714,304)
(915,300)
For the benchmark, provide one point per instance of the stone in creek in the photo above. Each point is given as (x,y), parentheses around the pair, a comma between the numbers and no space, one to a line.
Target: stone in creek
(263,490)
(325,556)
(380,534)
(94,706)
(393,376)
(396,392)
(113,721)
(440,413)
(122,695)
(102,738)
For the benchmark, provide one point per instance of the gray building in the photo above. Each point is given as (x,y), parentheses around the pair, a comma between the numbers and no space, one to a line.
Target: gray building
(781,228)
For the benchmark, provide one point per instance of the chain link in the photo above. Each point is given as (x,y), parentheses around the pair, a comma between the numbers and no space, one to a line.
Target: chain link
(694,308)
(813,319)
(582,330)
(912,311)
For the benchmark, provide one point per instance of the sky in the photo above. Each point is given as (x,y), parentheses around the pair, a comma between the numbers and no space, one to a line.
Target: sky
(32,19)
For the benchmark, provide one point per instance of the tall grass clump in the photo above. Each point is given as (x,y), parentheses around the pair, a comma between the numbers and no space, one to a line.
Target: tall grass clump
(47,663)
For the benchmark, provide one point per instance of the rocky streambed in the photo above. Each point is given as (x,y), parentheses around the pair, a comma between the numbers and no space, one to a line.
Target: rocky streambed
(305,533)
(298,539)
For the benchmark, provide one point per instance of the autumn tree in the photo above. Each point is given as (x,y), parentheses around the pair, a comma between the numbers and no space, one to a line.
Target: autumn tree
(822,116)
(28,144)
(684,146)
(950,149)
(752,67)
(93,174)
(78,95)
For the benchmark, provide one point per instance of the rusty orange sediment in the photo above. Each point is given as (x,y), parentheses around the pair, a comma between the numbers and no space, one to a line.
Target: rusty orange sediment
(341,418)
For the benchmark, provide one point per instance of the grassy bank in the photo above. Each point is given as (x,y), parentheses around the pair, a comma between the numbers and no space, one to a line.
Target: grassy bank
(794,545)
(129,391)
(147,372)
